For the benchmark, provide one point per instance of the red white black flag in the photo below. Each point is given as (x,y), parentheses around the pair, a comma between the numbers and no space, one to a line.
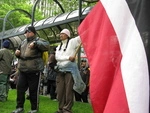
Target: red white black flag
(116,39)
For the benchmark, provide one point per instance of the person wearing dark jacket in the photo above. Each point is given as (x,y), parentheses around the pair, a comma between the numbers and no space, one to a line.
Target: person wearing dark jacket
(6,58)
(30,65)
(51,77)
(85,75)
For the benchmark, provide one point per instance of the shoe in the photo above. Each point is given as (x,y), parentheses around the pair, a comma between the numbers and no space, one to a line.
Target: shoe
(18,110)
(54,99)
(33,111)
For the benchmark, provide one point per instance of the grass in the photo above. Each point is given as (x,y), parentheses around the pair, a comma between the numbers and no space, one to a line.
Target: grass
(46,105)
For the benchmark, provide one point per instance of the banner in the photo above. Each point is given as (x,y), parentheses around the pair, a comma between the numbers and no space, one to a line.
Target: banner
(112,35)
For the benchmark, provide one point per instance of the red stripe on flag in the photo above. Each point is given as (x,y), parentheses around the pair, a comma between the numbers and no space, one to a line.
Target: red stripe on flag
(101,45)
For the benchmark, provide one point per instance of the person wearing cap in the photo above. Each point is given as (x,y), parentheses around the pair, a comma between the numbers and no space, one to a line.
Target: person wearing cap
(6,59)
(66,79)
(30,65)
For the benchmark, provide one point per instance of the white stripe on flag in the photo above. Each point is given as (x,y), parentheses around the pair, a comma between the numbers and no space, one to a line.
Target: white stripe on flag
(134,63)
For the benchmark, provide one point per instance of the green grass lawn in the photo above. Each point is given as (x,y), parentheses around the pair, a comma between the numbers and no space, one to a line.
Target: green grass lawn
(46,105)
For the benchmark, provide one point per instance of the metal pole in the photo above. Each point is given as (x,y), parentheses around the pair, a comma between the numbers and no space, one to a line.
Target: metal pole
(5,18)
(79,21)
(60,6)
(80,11)
(8,22)
(33,11)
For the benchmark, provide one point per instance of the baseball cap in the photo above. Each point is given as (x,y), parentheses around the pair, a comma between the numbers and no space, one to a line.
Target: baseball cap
(31,29)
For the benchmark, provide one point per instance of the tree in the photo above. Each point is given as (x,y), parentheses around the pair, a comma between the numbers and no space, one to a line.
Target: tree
(17,18)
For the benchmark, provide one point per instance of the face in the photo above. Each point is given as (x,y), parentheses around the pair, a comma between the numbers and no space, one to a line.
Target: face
(63,36)
(29,34)
(83,64)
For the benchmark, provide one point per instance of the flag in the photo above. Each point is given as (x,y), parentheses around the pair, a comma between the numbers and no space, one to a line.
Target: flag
(115,36)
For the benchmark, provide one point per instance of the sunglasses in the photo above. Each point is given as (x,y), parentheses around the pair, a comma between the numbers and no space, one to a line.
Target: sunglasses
(83,60)
(28,31)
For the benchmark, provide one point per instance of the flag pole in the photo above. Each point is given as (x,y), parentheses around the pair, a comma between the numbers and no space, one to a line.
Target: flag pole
(77,50)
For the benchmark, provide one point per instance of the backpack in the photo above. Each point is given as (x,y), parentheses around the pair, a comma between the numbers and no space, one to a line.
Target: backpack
(45,57)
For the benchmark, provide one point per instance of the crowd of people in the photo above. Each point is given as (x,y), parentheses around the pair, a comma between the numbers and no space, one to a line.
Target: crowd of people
(60,78)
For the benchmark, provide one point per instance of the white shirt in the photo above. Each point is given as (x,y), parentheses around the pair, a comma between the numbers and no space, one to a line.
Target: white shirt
(62,56)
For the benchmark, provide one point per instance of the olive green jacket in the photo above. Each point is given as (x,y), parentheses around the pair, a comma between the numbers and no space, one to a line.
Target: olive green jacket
(6,58)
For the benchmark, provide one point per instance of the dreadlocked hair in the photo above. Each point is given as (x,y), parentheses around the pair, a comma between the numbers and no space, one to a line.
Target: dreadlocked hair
(66,45)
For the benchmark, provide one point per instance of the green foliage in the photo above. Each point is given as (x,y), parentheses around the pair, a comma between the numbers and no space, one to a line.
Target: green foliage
(48,8)
(46,105)
(67,3)
(17,18)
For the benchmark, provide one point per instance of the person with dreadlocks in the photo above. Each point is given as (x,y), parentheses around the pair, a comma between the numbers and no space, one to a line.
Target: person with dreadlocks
(68,77)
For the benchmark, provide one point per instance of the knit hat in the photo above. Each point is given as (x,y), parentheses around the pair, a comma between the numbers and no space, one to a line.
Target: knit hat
(6,44)
(66,31)
(31,29)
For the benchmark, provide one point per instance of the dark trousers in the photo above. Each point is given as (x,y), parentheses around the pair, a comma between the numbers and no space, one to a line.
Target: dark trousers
(51,88)
(4,87)
(31,81)
(83,97)
(64,90)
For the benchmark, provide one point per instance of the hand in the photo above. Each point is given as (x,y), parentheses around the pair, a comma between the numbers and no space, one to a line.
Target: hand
(15,77)
(32,44)
(72,59)
(17,52)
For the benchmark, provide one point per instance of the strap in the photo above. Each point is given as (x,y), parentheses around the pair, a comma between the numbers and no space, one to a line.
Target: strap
(29,58)
(25,40)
